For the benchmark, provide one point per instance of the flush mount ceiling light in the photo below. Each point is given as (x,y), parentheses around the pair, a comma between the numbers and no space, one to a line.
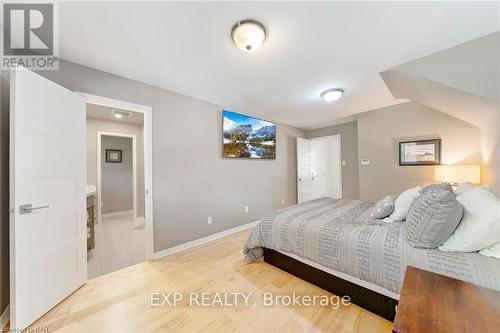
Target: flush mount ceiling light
(331,95)
(248,35)
(121,114)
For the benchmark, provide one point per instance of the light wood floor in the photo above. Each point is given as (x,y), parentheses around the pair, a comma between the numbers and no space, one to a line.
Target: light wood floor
(120,301)
(120,241)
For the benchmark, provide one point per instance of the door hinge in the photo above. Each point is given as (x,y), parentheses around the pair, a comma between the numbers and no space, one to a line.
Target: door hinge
(11,211)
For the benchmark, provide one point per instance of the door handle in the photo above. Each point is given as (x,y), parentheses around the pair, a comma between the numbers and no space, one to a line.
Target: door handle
(26,209)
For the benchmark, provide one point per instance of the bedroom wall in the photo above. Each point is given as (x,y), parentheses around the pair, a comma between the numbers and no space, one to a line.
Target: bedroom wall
(379,132)
(349,151)
(100,125)
(462,81)
(191,181)
(490,170)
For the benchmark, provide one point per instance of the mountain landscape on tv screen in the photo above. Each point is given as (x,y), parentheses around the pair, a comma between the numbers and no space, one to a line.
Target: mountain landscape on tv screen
(248,137)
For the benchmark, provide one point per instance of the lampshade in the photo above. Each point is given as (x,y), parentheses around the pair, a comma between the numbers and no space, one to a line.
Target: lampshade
(458,174)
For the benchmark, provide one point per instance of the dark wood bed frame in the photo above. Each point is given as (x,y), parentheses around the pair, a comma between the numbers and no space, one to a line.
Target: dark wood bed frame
(370,300)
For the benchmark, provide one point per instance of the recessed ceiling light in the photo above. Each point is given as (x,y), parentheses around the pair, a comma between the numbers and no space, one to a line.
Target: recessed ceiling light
(248,35)
(331,95)
(121,114)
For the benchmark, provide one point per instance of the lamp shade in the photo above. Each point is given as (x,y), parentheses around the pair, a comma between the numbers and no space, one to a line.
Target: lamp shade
(458,174)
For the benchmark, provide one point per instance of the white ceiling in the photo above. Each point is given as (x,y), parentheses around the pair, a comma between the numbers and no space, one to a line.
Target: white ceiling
(95,111)
(186,48)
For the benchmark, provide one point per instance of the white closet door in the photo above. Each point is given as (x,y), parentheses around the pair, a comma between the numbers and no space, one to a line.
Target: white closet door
(335,167)
(320,175)
(47,196)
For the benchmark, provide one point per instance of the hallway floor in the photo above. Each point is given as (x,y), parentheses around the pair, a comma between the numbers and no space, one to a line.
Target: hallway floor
(120,242)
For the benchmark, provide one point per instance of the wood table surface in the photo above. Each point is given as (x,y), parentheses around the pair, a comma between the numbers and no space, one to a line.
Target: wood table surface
(432,302)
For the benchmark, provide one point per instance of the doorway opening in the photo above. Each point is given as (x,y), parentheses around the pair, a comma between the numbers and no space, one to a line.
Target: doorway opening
(119,204)
(319,168)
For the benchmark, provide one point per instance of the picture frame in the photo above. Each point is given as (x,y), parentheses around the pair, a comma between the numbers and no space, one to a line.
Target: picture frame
(420,152)
(114,155)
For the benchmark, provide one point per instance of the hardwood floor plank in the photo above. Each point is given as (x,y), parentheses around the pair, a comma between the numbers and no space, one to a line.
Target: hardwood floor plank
(120,301)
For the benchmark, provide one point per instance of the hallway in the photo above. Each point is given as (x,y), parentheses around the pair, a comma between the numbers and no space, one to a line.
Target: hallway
(120,242)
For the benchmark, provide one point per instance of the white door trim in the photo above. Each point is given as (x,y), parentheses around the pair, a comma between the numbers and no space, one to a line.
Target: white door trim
(148,157)
(99,169)
(340,155)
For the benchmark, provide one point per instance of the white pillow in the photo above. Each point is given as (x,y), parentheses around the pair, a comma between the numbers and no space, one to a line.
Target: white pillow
(480,226)
(492,190)
(403,203)
(491,251)
(463,187)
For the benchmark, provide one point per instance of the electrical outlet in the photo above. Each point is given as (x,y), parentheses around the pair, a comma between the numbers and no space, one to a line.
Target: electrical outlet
(246,209)
(282,201)
(209,220)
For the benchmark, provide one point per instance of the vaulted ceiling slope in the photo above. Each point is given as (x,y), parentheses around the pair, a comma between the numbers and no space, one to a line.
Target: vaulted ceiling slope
(311,46)
(464,82)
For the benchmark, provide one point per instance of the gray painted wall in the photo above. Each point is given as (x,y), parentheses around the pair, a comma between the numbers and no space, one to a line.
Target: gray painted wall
(117,188)
(191,180)
(379,132)
(349,151)
(99,125)
(376,135)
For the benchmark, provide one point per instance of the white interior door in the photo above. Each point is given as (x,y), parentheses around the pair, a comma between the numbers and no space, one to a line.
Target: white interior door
(303,170)
(320,174)
(47,196)
(335,167)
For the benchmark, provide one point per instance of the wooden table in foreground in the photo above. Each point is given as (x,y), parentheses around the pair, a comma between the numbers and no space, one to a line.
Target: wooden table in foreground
(432,302)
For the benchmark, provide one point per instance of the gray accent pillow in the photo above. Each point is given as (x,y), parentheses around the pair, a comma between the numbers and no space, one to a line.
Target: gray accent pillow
(383,208)
(437,187)
(433,218)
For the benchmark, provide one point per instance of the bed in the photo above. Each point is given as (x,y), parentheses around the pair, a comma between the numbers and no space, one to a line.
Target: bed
(334,244)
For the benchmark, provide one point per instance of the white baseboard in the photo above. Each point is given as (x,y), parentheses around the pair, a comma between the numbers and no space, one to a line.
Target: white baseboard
(201,241)
(4,319)
(123,212)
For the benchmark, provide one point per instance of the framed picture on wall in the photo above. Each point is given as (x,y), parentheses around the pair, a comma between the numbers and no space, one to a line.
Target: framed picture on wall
(421,152)
(113,156)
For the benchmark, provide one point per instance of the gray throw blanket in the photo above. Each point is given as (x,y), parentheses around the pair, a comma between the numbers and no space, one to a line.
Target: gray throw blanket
(340,235)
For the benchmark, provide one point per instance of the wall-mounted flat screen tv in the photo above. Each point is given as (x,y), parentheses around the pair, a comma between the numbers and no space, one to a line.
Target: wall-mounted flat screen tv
(248,137)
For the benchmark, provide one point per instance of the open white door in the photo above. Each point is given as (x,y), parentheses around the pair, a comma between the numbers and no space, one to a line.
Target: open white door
(303,170)
(47,196)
